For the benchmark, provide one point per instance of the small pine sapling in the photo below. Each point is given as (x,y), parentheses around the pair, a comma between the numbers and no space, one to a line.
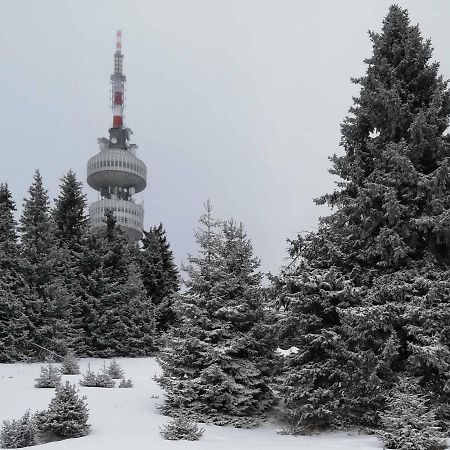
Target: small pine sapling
(289,418)
(103,380)
(126,383)
(409,422)
(70,364)
(49,377)
(114,370)
(89,378)
(18,433)
(182,428)
(66,416)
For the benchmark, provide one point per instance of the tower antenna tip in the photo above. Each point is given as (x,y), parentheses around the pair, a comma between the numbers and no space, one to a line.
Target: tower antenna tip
(119,39)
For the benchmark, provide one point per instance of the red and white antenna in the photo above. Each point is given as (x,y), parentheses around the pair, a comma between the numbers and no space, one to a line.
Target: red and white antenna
(119,40)
(118,84)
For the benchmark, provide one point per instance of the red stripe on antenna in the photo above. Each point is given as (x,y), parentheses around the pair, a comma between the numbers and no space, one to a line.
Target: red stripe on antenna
(118,39)
(117,98)
(117,122)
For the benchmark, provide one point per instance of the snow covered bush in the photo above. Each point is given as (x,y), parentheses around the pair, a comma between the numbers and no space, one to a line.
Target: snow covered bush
(114,370)
(103,380)
(70,364)
(409,422)
(49,377)
(66,416)
(126,383)
(91,379)
(18,433)
(182,428)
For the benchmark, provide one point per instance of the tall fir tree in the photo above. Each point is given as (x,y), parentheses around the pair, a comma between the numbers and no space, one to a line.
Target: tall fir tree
(12,287)
(71,225)
(116,315)
(216,364)
(48,303)
(159,274)
(369,295)
(88,305)
(8,233)
(140,315)
(69,211)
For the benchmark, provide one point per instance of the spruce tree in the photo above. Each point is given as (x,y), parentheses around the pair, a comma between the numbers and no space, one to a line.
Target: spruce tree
(69,211)
(8,234)
(140,315)
(215,364)
(35,222)
(159,274)
(368,297)
(48,303)
(116,315)
(12,288)
(89,378)
(114,370)
(93,283)
(18,433)
(69,364)
(66,416)
(50,377)
(69,216)
(182,428)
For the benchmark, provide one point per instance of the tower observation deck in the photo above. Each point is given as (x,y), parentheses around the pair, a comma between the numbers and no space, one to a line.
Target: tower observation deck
(116,172)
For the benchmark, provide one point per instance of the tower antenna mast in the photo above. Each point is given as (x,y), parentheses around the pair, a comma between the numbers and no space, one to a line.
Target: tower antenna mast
(118,80)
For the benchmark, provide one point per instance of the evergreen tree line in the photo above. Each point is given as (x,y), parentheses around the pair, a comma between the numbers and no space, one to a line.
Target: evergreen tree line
(64,286)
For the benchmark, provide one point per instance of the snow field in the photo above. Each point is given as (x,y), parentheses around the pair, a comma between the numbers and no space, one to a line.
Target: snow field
(128,419)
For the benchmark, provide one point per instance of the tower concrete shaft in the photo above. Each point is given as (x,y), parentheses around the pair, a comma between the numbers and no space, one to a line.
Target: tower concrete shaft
(116,172)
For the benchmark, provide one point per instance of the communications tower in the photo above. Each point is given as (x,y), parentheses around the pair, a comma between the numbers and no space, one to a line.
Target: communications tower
(116,172)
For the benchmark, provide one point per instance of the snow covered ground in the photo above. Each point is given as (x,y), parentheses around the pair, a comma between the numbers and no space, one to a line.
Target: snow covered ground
(127,419)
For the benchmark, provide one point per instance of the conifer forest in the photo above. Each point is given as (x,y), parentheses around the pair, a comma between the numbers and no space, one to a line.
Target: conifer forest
(351,335)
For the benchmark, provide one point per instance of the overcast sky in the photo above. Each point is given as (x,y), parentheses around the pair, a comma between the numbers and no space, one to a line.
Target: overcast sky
(239,102)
